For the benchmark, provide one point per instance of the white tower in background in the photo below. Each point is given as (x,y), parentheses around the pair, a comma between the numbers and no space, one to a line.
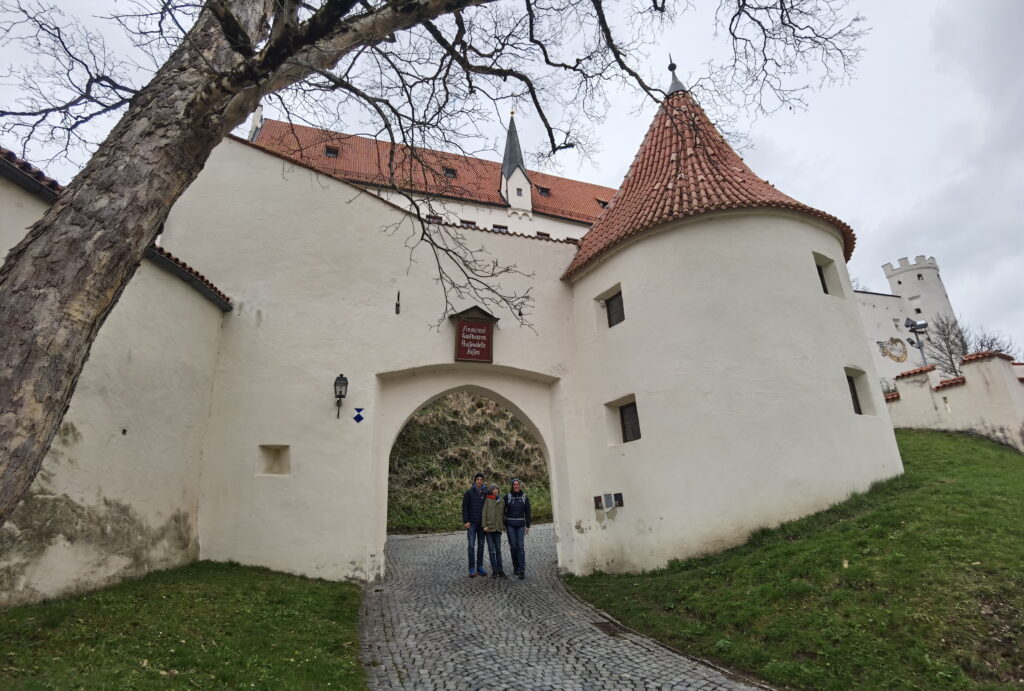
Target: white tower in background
(920,286)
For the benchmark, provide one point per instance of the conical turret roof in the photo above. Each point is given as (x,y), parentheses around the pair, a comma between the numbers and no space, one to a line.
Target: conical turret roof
(684,168)
(513,152)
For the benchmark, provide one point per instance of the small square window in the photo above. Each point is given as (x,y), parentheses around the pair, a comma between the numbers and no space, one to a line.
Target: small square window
(450,173)
(275,459)
(613,306)
(331,151)
(917,310)
(630,422)
(519,191)
(828,275)
(467,224)
(544,191)
(860,392)
(499,228)
(920,277)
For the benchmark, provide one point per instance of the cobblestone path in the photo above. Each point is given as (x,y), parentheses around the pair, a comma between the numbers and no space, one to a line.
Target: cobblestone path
(429,626)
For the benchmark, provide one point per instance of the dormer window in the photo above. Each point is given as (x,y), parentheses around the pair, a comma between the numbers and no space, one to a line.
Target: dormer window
(544,191)
(450,173)
(331,151)
(603,203)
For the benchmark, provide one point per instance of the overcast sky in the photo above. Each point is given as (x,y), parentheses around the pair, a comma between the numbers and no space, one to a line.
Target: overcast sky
(923,153)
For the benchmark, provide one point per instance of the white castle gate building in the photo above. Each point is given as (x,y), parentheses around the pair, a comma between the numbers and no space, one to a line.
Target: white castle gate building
(696,348)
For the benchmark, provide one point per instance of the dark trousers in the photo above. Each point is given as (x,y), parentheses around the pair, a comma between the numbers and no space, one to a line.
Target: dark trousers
(475,538)
(494,551)
(517,546)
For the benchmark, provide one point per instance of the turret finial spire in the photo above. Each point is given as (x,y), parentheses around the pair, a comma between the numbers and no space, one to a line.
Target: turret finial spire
(675,85)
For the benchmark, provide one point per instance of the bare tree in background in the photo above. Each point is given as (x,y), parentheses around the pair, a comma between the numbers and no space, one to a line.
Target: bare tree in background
(950,339)
(412,67)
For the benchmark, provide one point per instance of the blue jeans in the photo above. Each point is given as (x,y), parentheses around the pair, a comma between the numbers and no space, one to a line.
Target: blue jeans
(475,537)
(517,546)
(494,551)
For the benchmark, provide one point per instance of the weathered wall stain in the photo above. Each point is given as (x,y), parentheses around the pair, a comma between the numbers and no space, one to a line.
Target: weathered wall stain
(126,545)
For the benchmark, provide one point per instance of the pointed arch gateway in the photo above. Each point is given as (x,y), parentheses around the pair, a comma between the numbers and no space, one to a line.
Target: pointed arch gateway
(529,396)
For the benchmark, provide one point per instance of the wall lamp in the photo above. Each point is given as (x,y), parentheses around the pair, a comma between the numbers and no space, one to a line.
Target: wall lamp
(340,390)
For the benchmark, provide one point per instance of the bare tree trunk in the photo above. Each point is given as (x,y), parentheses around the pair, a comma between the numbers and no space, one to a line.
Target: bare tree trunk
(58,285)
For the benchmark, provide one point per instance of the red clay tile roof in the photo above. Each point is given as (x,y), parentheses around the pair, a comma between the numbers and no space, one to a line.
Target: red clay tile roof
(912,372)
(985,355)
(684,168)
(955,381)
(365,161)
(892,396)
(30,170)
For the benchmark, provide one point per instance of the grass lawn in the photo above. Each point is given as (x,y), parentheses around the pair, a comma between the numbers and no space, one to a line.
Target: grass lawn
(917,583)
(202,626)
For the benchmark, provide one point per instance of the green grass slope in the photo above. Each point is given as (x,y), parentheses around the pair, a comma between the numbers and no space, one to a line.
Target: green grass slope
(443,446)
(207,625)
(917,583)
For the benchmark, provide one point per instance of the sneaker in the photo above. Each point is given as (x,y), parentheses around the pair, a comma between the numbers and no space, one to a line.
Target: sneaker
(481,572)
(501,574)
(472,573)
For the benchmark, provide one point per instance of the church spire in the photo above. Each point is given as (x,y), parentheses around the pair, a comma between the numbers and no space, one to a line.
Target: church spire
(515,187)
(513,153)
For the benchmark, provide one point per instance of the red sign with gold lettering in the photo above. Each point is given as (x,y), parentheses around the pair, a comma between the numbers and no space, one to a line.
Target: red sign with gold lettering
(474,341)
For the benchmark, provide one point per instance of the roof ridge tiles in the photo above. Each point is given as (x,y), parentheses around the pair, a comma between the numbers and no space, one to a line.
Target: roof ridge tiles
(478,180)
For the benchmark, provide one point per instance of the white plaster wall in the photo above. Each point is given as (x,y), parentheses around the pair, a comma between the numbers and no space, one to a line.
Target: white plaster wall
(990,402)
(20,210)
(883,317)
(314,267)
(518,191)
(117,494)
(485,216)
(736,359)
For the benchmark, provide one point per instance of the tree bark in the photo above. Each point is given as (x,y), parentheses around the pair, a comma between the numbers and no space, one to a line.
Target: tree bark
(58,284)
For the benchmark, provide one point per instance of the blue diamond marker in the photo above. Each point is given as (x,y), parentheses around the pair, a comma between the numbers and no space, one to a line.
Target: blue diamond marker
(359,415)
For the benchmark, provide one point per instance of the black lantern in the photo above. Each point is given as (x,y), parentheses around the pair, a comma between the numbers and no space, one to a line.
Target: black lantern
(340,390)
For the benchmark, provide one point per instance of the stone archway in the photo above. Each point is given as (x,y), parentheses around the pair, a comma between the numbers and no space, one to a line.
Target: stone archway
(529,396)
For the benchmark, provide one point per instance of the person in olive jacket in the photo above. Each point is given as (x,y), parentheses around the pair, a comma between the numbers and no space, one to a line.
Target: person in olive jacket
(472,506)
(494,523)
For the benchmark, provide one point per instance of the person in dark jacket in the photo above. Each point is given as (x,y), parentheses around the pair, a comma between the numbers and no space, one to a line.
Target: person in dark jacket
(472,507)
(517,526)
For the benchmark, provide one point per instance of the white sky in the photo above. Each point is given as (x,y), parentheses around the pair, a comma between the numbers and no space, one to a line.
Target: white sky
(923,153)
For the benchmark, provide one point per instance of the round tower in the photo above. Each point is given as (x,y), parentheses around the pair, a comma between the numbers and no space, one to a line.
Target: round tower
(920,286)
(727,376)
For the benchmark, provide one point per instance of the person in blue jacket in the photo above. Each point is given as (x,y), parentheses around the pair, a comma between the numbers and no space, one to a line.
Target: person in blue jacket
(517,525)
(472,508)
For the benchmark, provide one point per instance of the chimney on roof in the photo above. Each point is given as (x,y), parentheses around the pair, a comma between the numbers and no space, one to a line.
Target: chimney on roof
(515,188)
(256,123)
